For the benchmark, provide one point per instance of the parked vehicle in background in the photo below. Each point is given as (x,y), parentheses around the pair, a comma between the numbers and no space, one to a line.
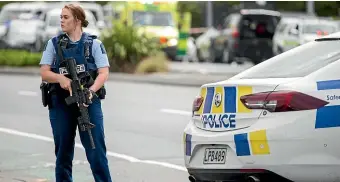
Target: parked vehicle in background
(23,33)
(98,13)
(34,13)
(20,12)
(203,44)
(248,35)
(292,32)
(52,25)
(160,21)
(96,10)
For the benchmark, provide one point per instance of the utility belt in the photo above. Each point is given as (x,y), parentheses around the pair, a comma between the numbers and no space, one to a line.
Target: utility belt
(48,89)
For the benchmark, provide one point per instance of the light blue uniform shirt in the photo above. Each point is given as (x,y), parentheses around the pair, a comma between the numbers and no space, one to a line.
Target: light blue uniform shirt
(98,53)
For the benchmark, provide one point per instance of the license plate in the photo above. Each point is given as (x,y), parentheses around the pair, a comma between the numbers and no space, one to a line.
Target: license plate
(215,156)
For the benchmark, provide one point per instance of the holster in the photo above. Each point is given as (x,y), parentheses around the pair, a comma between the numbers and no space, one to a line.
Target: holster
(45,96)
(101,93)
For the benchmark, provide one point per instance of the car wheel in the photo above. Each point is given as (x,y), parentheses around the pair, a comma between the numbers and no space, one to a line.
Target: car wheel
(199,56)
(279,50)
(227,58)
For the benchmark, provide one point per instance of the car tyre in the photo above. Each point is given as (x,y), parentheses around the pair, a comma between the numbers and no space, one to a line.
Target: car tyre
(199,56)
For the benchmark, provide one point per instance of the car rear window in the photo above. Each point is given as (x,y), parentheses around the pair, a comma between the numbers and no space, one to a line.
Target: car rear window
(315,28)
(258,26)
(297,62)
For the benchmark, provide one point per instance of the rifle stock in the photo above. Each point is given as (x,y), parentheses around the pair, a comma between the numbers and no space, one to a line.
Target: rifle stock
(81,97)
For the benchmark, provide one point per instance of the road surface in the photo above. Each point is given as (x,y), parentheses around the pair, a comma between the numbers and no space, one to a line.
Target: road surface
(144,124)
(209,68)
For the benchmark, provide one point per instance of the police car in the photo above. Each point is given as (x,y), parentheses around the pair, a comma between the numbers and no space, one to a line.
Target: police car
(277,121)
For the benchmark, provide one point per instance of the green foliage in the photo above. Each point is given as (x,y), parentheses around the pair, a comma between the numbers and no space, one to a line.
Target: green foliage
(102,2)
(19,58)
(126,47)
(326,8)
(293,6)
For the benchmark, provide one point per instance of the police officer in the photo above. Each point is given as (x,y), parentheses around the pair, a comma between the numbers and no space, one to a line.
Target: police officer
(90,55)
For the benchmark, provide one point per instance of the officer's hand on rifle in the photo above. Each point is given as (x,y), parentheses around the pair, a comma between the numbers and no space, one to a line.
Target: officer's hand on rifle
(64,82)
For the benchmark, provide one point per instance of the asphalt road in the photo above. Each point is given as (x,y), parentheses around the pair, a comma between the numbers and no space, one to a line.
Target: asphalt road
(144,124)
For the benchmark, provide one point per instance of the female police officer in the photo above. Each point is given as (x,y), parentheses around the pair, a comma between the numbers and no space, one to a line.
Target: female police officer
(63,117)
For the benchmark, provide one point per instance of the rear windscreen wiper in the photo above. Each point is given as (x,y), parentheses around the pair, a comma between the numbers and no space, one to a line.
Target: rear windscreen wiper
(327,39)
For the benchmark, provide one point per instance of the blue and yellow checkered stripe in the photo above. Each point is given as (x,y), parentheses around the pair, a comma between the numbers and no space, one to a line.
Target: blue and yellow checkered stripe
(187,144)
(253,143)
(231,102)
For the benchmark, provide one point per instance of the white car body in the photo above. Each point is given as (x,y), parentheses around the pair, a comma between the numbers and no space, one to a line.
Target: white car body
(191,54)
(13,16)
(203,43)
(53,23)
(292,32)
(22,33)
(298,145)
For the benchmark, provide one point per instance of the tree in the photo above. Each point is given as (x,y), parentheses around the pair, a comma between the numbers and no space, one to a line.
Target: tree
(326,8)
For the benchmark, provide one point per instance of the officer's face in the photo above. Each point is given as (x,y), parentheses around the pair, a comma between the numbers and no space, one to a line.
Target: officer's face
(68,22)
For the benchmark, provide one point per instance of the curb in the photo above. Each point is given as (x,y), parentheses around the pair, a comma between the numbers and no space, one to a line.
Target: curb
(173,79)
(234,72)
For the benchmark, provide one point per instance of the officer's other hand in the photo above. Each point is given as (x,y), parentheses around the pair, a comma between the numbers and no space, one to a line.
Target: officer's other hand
(65,83)
(90,95)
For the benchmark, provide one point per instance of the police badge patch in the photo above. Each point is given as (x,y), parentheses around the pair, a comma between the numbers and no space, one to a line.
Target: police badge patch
(102,48)
(218,99)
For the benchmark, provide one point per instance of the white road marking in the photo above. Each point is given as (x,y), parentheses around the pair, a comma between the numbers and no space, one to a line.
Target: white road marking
(27,93)
(109,153)
(203,71)
(174,111)
(50,164)
(46,165)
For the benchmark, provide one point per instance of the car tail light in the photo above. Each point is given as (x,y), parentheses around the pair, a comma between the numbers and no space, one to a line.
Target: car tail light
(235,33)
(197,103)
(320,33)
(282,101)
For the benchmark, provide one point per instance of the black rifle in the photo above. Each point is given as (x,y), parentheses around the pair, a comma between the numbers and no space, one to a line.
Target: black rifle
(80,95)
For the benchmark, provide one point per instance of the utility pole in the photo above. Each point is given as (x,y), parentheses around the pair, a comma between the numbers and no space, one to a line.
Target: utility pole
(310,7)
(209,10)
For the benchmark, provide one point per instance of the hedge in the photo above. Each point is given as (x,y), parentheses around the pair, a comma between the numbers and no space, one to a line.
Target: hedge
(10,57)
